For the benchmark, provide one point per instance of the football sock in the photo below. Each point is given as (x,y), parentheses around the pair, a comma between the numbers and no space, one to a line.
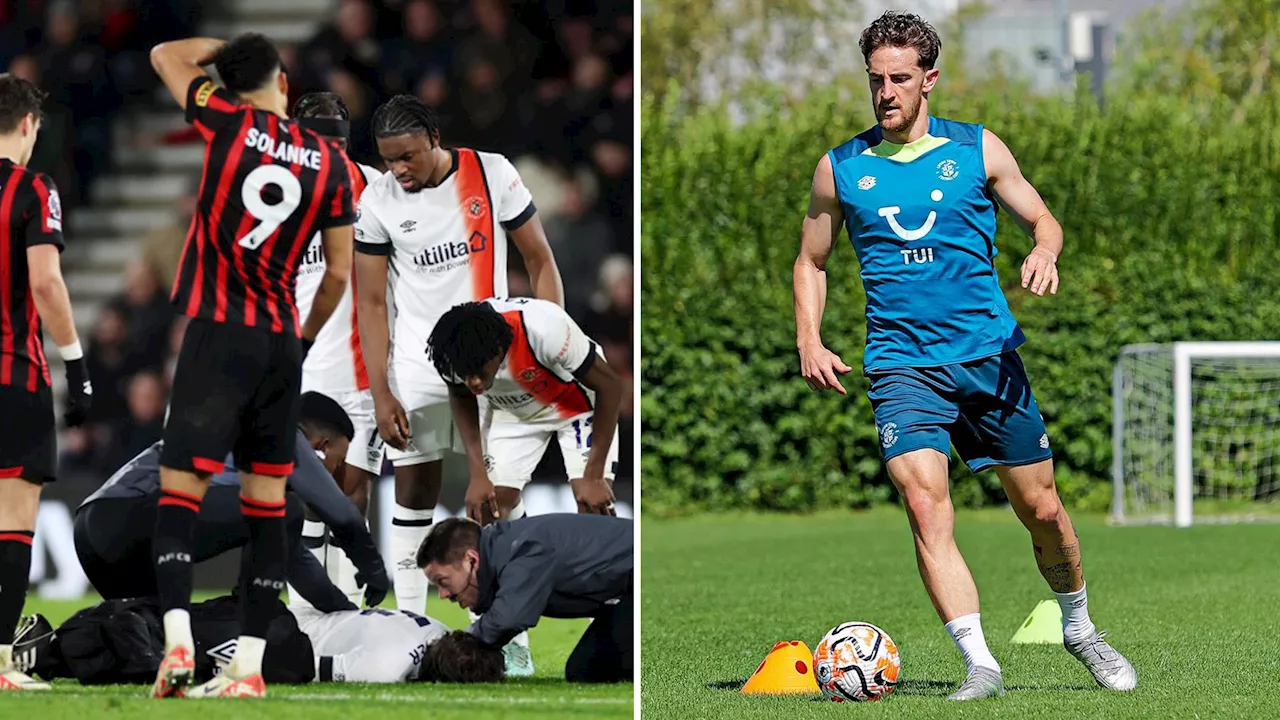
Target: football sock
(313,539)
(269,548)
(517,512)
(966,631)
(409,527)
(177,630)
(1076,625)
(247,661)
(171,548)
(343,574)
(15,566)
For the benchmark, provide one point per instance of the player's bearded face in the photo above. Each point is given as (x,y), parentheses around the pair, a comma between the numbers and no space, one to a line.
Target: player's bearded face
(898,86)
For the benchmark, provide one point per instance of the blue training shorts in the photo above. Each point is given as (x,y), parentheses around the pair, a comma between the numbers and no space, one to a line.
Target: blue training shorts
(985,407)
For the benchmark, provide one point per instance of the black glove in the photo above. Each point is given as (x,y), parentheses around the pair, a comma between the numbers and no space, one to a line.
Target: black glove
(79,393)
(375,582)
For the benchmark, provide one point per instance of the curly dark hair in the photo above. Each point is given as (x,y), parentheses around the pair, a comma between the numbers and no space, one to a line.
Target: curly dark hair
(460,657)
(900,29)
(18,99)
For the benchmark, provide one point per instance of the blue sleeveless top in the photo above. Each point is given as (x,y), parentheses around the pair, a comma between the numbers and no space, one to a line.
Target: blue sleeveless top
(923,225)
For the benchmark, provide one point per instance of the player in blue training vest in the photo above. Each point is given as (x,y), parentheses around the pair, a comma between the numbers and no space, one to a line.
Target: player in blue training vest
(918,195)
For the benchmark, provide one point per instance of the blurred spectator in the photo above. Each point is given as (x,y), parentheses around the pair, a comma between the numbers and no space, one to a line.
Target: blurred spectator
(56,135)
(498,41)
(613,161)
(148,313)
(346,44)
(356,97)
(611,308)
(580,239)
(144,422)
(162,247)
(109,362)
(75,75)
(422,50)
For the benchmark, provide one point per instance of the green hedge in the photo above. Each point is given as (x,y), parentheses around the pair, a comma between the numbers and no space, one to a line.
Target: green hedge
(1171,233)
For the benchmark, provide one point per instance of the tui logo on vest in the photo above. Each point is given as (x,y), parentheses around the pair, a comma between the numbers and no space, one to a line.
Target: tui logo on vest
(918,255)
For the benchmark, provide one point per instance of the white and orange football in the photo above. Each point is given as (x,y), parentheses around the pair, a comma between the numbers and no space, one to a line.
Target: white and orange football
(856,661)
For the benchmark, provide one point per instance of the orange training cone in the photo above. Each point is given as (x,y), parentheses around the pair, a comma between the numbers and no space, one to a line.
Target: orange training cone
(786,670)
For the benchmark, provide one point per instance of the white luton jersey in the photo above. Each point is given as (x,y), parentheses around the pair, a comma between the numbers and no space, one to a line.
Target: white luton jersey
(335,363)
(446,245)
(373,646)
(537,380)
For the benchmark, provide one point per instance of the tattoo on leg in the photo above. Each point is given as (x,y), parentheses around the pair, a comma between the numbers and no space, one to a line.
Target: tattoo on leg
(1039,550)
(1059,576)
(1069,550)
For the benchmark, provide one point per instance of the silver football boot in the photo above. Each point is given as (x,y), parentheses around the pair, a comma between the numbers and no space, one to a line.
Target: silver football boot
(1107,666)
(982,683)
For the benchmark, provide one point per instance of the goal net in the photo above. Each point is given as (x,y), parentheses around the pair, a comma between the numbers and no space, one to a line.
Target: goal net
(1196,432)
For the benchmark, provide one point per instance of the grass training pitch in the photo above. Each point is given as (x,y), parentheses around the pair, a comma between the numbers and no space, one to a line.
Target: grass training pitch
(546,695)
(1194,609)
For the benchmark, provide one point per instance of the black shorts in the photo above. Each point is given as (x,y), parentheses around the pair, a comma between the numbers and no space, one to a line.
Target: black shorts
(235,390)
(28,434)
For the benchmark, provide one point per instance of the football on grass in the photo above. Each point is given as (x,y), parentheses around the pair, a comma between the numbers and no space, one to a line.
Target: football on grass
(856,661)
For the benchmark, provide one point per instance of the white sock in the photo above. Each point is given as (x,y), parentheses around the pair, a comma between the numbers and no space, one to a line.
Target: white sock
(6,658)
(966,631)
(248,658)
(312,531)
(408,530)
(1076,624)
(342,572)
(177,630)
(517,512)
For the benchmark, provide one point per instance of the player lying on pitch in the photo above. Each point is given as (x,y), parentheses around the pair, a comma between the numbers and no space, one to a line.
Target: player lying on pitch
(392,646)
(115,642)
(114,527)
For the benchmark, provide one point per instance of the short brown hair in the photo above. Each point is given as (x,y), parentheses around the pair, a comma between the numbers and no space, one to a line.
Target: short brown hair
(448,541)
(899,29)
(460,657)
(18,99)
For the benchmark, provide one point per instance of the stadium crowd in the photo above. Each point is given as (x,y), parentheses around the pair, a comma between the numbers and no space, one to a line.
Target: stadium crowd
(549,84)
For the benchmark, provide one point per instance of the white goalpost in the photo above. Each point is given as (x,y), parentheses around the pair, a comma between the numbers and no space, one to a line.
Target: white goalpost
(1196,425)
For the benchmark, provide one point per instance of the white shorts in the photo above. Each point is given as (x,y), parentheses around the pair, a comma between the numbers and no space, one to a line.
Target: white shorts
(514,447)
(430,423)
(367,449)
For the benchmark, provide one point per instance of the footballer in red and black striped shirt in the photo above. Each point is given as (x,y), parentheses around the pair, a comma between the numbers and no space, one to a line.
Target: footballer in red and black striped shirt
(33,297)
(268,186)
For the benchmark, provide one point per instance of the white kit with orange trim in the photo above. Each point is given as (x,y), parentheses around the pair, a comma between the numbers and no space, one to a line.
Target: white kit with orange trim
(448,246)
(335,366)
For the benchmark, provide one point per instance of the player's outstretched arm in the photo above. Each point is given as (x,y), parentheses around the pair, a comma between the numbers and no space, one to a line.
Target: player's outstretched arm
(544,275)
(375,343)
(597,496)
(337,242)
(1023,202)
(822,222)
(481,494)
(178,62)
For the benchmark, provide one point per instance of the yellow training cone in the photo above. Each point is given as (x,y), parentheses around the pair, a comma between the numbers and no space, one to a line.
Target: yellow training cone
(786,670)
(1043,626)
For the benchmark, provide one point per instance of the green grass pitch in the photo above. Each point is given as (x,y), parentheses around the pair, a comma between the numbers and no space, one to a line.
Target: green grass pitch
(546,695)
(1194,609)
